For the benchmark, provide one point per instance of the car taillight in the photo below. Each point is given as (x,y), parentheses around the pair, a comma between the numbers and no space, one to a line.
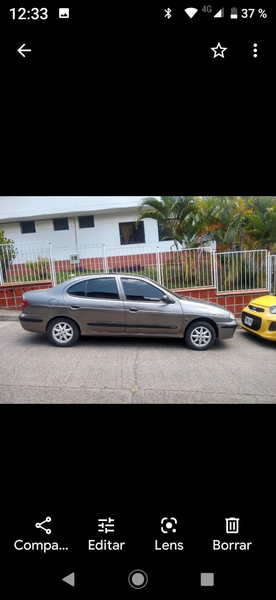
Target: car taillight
(24,303)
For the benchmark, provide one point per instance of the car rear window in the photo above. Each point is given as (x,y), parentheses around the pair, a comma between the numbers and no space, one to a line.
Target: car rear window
(105,287)
(77,290)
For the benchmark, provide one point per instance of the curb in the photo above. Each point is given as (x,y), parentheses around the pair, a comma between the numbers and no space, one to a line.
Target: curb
(9,317)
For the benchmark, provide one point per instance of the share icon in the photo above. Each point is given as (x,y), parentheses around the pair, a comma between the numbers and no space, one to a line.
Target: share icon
(39,525)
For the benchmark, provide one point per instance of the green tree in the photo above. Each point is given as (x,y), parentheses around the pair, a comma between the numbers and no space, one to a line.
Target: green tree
(260,231)
(202,223)
(7,254)
(171,212)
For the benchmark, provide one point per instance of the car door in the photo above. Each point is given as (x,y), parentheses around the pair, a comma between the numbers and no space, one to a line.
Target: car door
(145,312)
(96,304)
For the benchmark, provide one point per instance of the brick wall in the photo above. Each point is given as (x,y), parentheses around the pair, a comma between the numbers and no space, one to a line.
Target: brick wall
(11,295)
(233,301)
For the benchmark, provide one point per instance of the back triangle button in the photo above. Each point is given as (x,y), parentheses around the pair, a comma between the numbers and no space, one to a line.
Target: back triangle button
(70,579)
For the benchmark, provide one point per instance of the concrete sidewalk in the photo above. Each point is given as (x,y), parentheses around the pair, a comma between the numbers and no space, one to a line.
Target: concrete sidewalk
(12,315)
(9,315)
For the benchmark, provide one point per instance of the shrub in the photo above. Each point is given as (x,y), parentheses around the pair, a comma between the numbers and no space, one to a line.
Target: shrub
(39,267)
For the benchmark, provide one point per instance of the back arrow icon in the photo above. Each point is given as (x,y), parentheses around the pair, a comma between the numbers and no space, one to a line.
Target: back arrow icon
(21,51)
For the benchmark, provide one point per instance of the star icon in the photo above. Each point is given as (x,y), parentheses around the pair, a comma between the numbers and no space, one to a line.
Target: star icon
(218,51)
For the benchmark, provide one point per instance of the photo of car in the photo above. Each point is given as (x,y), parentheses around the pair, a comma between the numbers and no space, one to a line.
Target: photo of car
(123,305)
(259,317)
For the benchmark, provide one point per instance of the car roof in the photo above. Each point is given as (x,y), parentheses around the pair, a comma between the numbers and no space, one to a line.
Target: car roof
(94,275)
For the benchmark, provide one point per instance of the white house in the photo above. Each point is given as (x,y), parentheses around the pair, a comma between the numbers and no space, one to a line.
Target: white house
(77,227)
(75,221)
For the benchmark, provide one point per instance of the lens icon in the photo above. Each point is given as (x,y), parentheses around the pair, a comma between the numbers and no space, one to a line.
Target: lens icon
(138,579)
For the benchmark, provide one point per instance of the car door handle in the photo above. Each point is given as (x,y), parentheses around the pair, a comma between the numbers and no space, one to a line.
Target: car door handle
(75,306)
(133,309)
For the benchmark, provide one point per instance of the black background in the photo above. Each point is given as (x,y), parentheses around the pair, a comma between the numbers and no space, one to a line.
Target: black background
(137,465)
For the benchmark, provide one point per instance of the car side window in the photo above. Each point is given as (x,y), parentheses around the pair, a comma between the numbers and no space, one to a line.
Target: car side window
(105,287)
(141,291)
(77,290)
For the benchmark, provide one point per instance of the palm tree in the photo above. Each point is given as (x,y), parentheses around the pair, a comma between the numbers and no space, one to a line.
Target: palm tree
(235,219)
(212,218)
(260,231)
(171,212)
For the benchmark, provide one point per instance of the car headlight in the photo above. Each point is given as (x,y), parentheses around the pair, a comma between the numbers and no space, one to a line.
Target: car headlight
(232,316)
(273,310)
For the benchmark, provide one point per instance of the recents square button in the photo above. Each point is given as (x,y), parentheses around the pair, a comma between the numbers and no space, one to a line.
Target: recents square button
(206,578)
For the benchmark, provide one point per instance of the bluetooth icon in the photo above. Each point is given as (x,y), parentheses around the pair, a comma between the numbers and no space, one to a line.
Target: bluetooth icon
(168,13)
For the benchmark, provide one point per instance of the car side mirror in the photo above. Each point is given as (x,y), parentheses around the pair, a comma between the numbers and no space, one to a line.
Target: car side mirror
(167,299)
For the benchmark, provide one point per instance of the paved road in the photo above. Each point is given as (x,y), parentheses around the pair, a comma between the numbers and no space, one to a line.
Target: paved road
(137,371)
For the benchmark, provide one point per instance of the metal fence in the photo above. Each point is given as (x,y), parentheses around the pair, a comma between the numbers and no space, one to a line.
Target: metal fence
(178,269)
(242,270)
(272,273)
(31,261)
(174,269)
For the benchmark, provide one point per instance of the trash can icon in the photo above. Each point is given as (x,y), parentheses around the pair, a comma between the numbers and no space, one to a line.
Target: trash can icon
(232,525)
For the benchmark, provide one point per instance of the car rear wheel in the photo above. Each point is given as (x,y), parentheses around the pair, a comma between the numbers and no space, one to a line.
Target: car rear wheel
(200,335)
(63,332)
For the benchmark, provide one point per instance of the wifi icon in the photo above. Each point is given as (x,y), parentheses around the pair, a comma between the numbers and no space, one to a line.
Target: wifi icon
(191,12)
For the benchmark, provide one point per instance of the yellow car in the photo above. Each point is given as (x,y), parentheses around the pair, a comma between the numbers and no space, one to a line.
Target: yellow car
(259,317)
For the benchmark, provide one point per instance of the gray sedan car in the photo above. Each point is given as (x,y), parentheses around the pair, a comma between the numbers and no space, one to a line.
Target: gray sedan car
(123,305)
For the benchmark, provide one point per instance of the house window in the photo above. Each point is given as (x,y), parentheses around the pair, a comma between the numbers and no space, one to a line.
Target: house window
(163,232)
(130,235)
(27,227)
(60,224)
(85,222)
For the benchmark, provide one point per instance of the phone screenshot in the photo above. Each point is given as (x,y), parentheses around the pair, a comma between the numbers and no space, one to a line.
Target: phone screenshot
(137,332)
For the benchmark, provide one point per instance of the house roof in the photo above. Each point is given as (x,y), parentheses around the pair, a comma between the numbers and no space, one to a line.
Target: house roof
(25,208)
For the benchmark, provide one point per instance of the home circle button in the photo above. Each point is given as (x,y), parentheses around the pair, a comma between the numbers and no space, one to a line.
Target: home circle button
(138,579)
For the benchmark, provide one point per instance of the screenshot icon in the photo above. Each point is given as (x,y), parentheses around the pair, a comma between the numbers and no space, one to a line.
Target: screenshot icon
(63,13)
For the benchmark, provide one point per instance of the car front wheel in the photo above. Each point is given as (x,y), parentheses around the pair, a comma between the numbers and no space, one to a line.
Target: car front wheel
(200,335)
(63,332)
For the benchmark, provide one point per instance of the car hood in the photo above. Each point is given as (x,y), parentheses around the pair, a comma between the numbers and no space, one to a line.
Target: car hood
(188,304)
(264,301)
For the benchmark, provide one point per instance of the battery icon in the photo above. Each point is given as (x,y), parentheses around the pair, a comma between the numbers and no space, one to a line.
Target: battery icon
(234,13)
